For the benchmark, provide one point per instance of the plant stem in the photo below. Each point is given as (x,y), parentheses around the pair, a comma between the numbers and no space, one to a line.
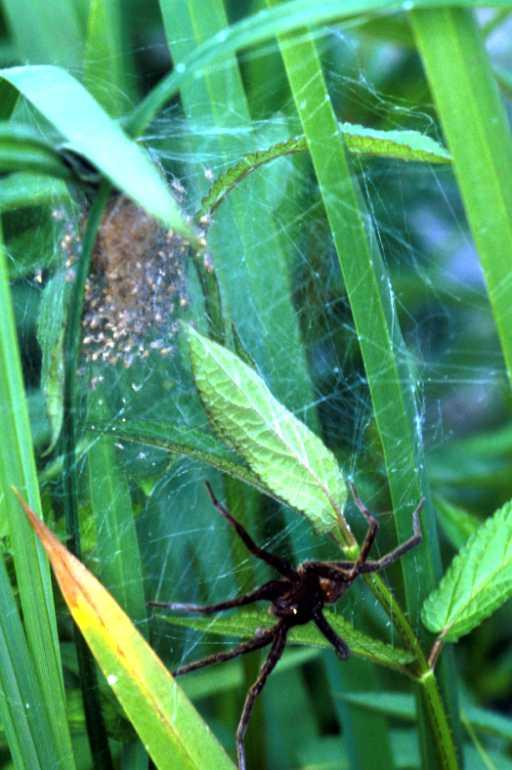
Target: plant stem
(96,728)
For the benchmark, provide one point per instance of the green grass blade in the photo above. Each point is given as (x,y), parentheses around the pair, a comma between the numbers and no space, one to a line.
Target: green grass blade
(45,33)
(120,566)
(174,734)
(79,118)
(260,27)
(22,710)
(478,135)
(35,591)
(390,376)
(108,71)
(477,582)
(267,322)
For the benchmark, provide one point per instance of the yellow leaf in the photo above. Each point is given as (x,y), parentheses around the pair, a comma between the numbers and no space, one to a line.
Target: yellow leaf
(173,733)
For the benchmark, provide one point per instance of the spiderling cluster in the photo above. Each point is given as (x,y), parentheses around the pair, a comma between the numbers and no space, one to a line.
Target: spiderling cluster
(135,289)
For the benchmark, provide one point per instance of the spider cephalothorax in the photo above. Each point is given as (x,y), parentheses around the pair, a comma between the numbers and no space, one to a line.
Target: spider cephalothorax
(297,597)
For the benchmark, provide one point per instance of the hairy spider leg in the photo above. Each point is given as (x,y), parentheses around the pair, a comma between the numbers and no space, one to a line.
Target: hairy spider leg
(279,633)
(266,591)
(371,534)
(277,562)
(400,550)
(350,569)
(342,649)
(261,640)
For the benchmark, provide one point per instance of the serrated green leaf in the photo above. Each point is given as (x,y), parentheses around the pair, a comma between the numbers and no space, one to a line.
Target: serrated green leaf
(477,582)
(401,145)
(189,442)
(245,623)
(280,449)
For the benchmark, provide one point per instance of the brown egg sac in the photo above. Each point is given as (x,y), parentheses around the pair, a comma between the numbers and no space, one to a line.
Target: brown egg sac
(136,287)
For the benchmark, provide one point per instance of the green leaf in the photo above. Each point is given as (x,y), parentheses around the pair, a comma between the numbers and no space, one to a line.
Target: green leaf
(401,145)
(188,442)
(23,149)
(50,335)
(66,104)
(32,704)
(280,449)
(457,523)
(245,623)
(477,582)
(477,130)
(26,190)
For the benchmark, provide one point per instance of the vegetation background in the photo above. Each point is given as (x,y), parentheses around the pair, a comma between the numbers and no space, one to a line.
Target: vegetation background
(371,291)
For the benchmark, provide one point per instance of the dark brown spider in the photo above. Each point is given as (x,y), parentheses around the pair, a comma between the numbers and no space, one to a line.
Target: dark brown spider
(296,598)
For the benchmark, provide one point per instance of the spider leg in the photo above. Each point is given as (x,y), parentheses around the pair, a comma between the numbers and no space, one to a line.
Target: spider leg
(266,591)
(329,569)
(396,553)
(342,650)
(371,534)
(281,565)
(279,633)
(261,640)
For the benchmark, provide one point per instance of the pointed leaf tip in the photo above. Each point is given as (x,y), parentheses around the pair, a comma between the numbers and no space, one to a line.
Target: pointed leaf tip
(173,733)
(286,455)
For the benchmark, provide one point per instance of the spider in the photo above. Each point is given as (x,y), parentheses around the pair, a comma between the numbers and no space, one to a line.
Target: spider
(296,598)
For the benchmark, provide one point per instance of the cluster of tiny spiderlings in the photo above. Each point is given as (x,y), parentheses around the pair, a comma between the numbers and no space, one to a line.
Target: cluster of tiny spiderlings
(137,284)
(135,290)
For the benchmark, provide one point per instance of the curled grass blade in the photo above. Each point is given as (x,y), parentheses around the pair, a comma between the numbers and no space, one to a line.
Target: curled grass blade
(23,149)
(66,104)
(173,733)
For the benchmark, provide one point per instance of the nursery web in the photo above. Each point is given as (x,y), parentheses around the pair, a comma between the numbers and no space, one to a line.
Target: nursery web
(282,291)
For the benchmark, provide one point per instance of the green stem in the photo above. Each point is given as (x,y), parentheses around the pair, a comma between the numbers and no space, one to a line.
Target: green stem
(96,729)
(72,341)
(390,378)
